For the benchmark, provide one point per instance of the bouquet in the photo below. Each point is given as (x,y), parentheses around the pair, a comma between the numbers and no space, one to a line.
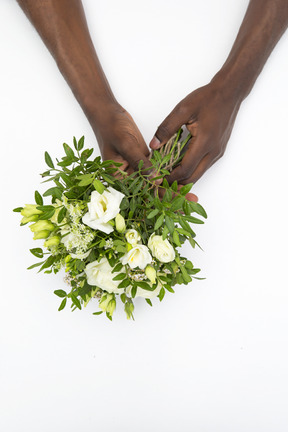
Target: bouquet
(116,235)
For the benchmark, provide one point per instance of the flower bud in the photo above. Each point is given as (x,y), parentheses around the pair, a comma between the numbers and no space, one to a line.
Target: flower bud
(42,225)
(111,307)
(29,210)
(129,308)
(68,258)
(27,219)
(52,241)
(120,223)
(150,273)
(41,234)
(105,299)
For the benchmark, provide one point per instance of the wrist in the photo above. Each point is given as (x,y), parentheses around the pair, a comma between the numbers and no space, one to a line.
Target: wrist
(233,85)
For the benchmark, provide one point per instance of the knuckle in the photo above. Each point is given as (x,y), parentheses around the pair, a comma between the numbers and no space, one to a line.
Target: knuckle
(163,131)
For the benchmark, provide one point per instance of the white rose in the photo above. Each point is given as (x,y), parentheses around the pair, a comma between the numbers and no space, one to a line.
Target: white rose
(132,236)
(102,208)
(145,293)
(138,256)
(99,274)
(161,249)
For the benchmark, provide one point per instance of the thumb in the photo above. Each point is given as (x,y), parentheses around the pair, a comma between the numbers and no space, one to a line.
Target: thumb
(167,129)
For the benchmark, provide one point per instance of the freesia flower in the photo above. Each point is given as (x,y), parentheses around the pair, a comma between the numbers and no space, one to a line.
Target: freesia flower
(99,273)
(138,256)
(102,208)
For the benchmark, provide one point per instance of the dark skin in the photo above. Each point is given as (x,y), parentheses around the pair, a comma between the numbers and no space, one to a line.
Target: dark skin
(208,112)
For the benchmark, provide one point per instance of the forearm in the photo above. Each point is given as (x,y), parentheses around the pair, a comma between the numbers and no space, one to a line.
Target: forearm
(63,28)
(263,25)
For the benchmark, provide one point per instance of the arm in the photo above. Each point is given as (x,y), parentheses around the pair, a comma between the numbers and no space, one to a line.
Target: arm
(63,28)
(210,111)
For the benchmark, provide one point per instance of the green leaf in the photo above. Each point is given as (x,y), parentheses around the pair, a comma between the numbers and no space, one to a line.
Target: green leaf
(55,192)
(185,189)
(65,162)
(185,275)
(61,215)
(125,283)
(48,160)
(98,185)
(81,143)
(169,288)
(149,302)
(174,186)
(161,294)
(38,252)
(159,221)
(97,313)
(120,276)
(165,232)
(76,301)
(133,291)
(68,150)
(60,293)
(63,304)
(197,208)
(86,181)
(176,238)
(153,213)
(177,203)
(35,265)
(194,220)
(170,224)
(38,198)
(17,209)
(145,286)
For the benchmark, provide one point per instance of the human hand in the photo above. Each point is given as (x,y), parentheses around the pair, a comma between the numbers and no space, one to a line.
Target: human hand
(120,140)
(209,114)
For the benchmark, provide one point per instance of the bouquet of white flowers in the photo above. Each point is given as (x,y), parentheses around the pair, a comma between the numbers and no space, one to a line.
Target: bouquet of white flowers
(113,233)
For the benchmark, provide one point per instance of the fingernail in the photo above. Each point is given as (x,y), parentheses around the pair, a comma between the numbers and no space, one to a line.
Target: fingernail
(155,143)
(155,174)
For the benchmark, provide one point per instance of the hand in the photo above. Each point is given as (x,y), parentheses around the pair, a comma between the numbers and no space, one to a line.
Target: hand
(209,114)
(119,139)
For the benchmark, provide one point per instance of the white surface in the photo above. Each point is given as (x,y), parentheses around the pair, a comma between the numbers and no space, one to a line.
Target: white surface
(213,356)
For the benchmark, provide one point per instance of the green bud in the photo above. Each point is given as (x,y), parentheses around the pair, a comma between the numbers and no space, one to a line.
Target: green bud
(27,219)
(42,225)
(129,308)
(111,306)
(150,273)
(52,241)
(105,299)
(68,258)
(120,223)
(41,234)
(29,210)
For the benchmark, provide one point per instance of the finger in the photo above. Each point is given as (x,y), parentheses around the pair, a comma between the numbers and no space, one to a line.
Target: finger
(168,128)
(189,196)
(134,155)
(193,156)
(202,167)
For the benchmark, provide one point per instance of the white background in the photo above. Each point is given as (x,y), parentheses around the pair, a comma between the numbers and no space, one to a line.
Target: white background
(211,357)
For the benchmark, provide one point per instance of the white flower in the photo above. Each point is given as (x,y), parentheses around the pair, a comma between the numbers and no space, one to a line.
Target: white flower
(99,274)
(145,293)
(161,249)
(132,236)
(76,238)
(138,256)
(102,208)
